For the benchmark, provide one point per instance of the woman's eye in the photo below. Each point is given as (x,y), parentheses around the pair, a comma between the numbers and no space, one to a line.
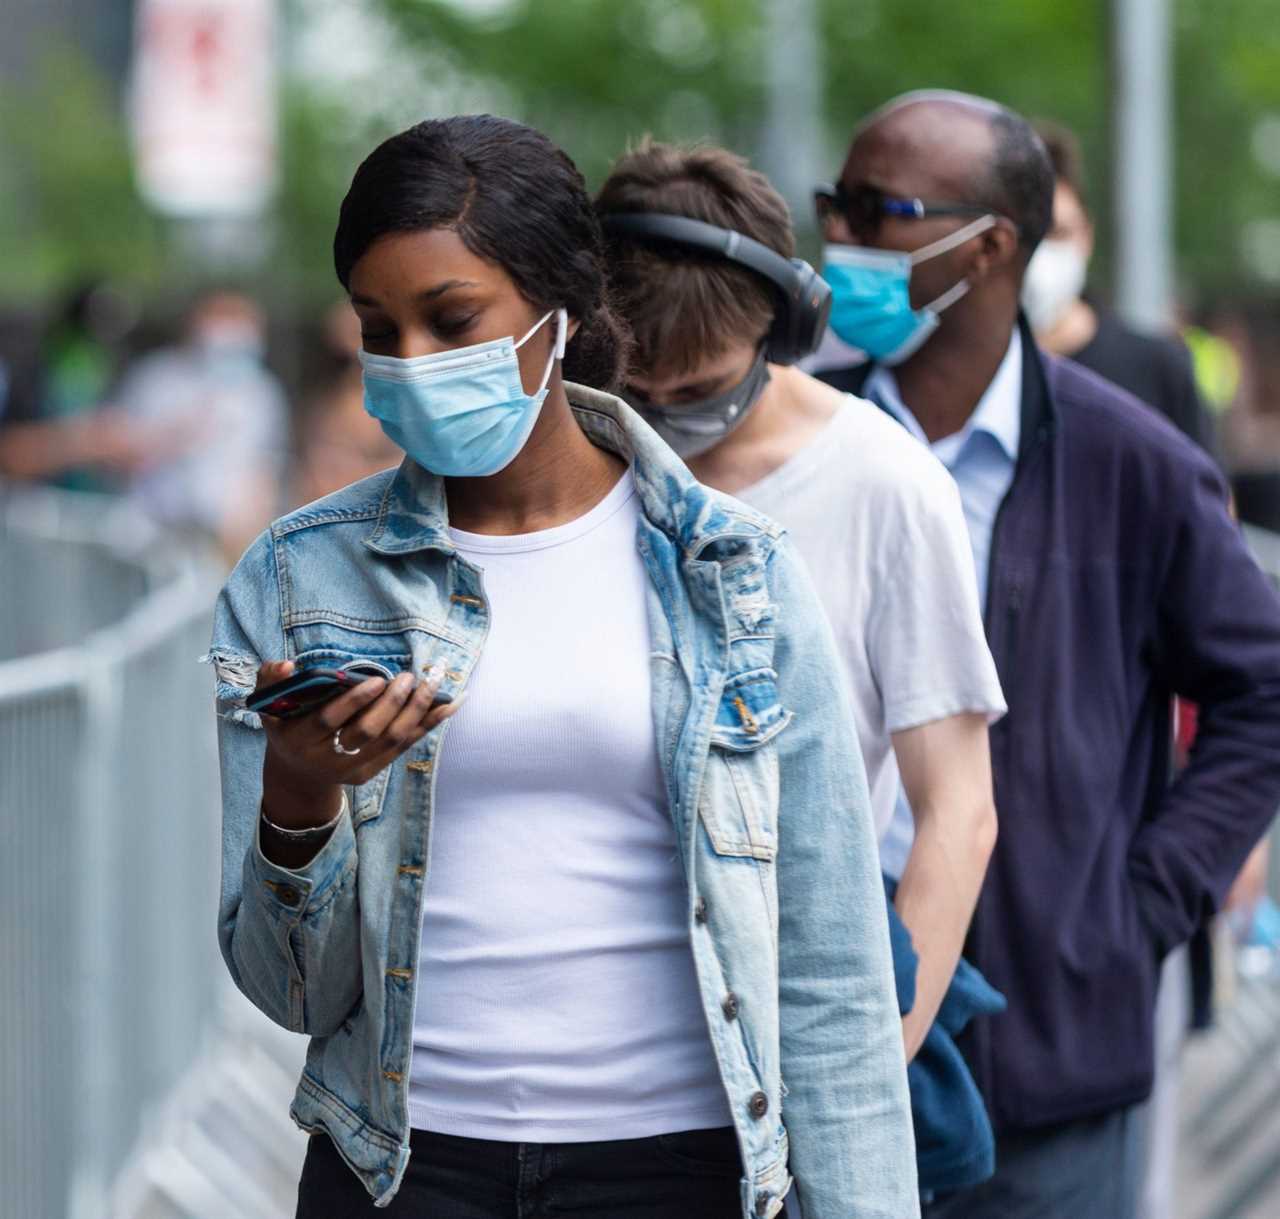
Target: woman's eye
(454,325)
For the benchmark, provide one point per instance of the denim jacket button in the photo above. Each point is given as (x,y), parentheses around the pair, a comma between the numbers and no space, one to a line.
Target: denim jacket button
(758,1105)
(730,1008)
(700,910)
(288,895)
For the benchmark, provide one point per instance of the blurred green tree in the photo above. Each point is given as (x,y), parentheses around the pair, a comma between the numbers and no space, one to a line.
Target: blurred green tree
(597,73)
(1227,147)
(70,205)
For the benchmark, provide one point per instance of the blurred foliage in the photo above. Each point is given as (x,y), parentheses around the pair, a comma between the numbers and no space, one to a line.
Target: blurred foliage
(70,209)
(593,74)
(1226,83)
(597,73)
(319,151)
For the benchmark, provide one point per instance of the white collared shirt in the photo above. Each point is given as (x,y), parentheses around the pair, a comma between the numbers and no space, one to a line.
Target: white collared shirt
(981,456)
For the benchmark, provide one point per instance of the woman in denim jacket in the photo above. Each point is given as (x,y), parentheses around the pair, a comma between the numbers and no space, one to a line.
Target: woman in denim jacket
(639,884)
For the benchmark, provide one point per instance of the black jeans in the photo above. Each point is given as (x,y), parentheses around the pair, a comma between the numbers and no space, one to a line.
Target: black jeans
(691,1175)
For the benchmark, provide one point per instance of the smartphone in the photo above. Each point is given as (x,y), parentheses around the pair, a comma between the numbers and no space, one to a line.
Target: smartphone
(307,689)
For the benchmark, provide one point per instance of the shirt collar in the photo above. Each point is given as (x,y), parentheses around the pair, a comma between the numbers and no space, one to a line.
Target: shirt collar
(998,413)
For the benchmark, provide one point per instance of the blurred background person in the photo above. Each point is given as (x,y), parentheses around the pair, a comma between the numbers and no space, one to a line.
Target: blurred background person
(339,442)
(57,423)
(221,420)
(1154,368)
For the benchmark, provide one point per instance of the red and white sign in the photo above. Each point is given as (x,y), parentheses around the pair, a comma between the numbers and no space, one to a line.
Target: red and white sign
(204,105)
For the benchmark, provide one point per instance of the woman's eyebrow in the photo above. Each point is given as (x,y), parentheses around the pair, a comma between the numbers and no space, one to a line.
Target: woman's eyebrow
(429,294)
(447,286)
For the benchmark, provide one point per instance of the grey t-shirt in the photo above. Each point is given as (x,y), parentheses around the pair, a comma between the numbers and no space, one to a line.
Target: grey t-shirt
(879,522)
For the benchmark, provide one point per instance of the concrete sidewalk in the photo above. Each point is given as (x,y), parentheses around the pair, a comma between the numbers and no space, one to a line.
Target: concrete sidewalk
(1229,1147)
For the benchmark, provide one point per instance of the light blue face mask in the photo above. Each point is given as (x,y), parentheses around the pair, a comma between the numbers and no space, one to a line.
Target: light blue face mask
(460,413)
(871,295)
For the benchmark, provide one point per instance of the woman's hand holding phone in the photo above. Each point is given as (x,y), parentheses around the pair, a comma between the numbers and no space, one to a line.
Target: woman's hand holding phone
(303,772)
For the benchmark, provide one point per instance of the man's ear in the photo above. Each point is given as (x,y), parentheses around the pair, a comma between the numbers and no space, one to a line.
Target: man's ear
(995,250)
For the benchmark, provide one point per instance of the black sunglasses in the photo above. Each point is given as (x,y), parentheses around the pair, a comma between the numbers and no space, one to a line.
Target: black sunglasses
(864,206)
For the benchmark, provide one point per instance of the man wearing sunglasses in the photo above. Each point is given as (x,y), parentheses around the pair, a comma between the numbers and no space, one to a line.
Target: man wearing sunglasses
(1111,578)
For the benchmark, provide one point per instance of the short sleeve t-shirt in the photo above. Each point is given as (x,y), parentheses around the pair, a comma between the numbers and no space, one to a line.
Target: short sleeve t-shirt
(879,522)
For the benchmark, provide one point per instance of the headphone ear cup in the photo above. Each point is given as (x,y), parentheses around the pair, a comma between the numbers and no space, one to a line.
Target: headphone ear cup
(817,308)
(801,319)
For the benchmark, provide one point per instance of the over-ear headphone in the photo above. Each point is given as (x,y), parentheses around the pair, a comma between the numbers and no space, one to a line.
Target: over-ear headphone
(804,297)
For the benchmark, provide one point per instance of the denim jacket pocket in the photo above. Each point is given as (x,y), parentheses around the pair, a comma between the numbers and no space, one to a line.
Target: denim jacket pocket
(739,802)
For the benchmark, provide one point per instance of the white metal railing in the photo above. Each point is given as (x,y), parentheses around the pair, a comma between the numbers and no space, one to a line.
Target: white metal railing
(110,980)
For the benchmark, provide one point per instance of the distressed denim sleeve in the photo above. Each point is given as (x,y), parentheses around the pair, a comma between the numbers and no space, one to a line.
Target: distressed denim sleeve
(289,937)
(847,1109)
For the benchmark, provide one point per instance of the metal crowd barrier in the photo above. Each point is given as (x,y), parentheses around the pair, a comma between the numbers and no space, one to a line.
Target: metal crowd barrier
(109,971)
(1230,1137)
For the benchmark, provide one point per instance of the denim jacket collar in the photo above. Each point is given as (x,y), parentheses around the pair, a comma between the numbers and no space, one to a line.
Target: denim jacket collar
(413,514)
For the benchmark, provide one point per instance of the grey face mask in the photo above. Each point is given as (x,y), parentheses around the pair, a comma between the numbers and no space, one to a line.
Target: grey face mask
(693,428)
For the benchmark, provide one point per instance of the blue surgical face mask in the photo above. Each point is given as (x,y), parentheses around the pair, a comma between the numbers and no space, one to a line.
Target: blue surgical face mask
(871,295)
(460,413)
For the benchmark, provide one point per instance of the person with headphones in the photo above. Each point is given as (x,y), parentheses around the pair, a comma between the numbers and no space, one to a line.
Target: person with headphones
(702,269)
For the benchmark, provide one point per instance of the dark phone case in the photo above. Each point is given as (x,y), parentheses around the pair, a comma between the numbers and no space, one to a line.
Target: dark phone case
(278,700)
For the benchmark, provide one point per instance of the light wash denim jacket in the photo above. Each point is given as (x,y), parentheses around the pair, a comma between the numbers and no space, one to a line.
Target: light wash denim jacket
(765,786)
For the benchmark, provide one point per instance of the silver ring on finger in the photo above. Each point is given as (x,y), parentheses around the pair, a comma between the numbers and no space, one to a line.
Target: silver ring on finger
(339,747)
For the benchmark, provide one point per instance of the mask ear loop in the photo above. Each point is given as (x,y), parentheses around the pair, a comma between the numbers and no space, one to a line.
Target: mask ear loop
(557,352)
(538,325)
(941,246)
(951,240)
(949,297)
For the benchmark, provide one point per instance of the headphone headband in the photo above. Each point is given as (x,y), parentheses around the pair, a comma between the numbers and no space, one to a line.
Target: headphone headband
(804,298)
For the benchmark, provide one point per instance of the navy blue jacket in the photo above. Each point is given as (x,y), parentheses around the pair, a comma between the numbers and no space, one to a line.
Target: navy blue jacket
(1117,580)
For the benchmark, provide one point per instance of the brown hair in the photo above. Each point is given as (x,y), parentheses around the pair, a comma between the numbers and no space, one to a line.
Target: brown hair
(1064,151)
(685,307)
